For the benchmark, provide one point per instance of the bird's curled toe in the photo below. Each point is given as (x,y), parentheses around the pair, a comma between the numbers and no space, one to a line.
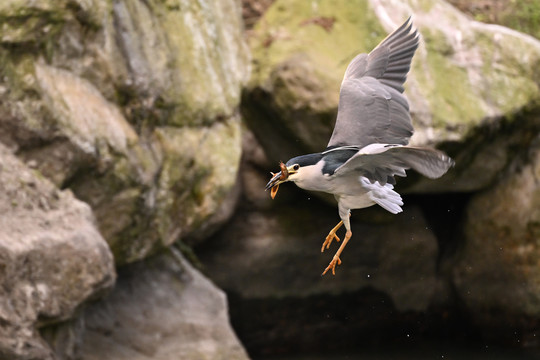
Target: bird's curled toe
(328,241)
(332,266)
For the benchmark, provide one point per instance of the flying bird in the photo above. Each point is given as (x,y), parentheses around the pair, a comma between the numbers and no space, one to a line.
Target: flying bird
(369,144)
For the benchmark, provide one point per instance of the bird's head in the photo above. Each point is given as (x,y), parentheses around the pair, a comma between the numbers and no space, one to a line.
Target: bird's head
(298,169)
(286,173)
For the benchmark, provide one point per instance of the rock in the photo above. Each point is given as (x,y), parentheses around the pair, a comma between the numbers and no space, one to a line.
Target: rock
(161,308)
(467,79)
(52,255)
(189,58)
(133,106)
(206,162)
(496,268)
(94,127)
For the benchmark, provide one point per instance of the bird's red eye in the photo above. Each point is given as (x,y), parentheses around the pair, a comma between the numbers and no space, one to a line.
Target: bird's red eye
(296,167)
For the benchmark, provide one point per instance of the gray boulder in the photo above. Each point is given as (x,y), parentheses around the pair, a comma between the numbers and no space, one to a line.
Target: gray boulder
(497,266)
(162,308)
(52,256)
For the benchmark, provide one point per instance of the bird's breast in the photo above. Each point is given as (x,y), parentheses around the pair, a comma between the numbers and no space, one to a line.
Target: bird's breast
(312,178)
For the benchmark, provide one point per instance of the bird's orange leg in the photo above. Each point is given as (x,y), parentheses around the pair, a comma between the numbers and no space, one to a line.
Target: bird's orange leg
(331,236)
(336,260)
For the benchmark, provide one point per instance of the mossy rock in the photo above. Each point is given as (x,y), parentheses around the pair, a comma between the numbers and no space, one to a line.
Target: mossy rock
(94,95)
(199,169)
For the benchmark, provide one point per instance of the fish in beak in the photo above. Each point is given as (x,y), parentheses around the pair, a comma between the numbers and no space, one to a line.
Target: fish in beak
(277,179)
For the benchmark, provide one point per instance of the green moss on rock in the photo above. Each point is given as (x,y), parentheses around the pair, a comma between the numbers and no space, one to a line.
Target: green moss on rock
(446,85)
(330,33)
(486,77)
(25,21)
(199,171)
(208,59)
(512,68)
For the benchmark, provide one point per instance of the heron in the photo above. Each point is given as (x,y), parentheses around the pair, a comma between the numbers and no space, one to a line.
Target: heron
(369,145)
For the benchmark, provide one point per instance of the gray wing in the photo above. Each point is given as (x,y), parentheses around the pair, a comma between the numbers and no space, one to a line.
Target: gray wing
(372,108)
(379,162)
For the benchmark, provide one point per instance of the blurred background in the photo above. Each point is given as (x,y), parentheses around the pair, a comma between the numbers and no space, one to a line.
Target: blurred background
(136,138)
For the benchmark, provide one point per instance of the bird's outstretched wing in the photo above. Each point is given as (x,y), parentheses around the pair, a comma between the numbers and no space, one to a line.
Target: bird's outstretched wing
(380,162)
(372,108)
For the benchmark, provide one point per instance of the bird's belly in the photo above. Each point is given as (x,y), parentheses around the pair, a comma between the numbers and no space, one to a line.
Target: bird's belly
(356,201)
(339,187)
(347,186)
(350,193)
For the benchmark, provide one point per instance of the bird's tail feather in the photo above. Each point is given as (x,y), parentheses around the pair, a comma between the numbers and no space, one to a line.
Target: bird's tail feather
(384,195)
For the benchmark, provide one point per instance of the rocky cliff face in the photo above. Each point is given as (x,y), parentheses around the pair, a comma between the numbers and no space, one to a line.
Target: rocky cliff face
(121,141)
(133,107)
(116,97)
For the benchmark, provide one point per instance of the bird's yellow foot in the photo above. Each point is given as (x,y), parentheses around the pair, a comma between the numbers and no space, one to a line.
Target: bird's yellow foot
(335,261)
(331,236)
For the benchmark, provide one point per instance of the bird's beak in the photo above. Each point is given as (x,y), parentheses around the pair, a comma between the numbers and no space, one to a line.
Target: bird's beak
(277,179)
(274,181)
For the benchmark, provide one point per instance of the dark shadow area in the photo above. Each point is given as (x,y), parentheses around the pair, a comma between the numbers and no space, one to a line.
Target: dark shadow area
(444,213)
(362,324)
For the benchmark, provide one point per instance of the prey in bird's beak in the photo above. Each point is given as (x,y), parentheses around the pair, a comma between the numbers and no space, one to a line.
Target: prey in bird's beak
(277,179)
